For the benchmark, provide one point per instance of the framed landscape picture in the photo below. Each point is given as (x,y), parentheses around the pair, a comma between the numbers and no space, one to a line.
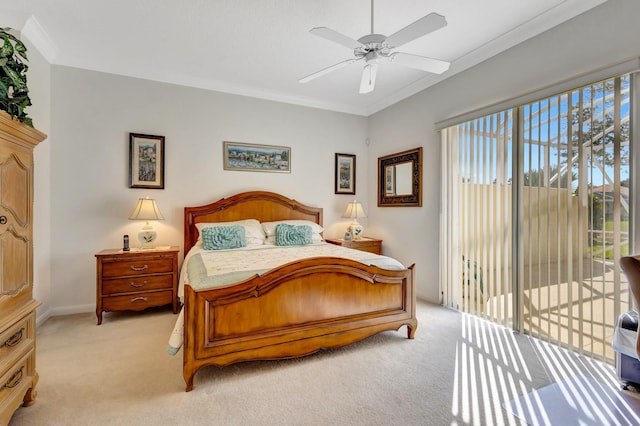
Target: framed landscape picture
(256,158)
(146,161)
(345,174)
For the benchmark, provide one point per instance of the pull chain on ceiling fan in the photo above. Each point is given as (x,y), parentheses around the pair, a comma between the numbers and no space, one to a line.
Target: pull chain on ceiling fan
(372,47)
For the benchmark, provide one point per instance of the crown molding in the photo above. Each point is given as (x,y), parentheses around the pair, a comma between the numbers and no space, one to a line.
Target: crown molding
(39,38)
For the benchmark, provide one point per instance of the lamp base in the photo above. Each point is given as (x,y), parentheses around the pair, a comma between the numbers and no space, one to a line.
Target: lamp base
(356,231)
(147,238)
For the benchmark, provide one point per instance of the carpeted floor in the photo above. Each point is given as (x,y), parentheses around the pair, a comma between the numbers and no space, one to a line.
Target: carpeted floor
(458,370)
(578,400)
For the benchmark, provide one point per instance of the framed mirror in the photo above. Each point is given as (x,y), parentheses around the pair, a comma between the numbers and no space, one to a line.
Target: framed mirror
(400,179)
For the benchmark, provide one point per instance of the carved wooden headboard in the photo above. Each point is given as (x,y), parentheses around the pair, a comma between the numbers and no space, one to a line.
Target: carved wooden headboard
(261,205)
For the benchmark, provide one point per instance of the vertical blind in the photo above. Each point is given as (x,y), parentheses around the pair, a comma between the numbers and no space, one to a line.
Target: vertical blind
(535,215)
(477,216)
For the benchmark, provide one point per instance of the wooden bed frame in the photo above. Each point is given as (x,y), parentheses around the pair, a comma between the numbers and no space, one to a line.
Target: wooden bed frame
(293,310)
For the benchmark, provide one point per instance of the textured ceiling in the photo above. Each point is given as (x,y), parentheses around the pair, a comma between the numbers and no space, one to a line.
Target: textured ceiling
(261,48)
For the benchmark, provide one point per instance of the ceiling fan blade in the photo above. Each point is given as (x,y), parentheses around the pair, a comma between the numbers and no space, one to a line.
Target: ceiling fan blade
(423,63)
(368,80)
(419,28)
(336,37)
(326,70)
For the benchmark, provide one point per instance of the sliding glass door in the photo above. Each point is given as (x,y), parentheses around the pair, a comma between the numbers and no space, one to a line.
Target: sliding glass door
(535,216)
(477,216)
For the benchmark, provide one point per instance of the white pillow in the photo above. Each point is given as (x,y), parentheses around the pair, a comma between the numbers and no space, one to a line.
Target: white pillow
(254,234)
(270,229)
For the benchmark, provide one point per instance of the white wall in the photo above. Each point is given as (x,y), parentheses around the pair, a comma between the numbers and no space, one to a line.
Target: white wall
(88,115)
(93,114)
(599,38)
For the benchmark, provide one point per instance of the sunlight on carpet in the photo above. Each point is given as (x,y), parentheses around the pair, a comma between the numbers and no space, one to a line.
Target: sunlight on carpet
(578,400)
(502,377)
(489,367)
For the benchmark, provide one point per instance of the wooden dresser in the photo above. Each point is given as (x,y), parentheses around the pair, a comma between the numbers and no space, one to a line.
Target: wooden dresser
(18,376)
(136,280)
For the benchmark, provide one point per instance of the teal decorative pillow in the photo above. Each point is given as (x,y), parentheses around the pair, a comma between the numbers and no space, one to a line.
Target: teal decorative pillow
(293,235)
(223,237)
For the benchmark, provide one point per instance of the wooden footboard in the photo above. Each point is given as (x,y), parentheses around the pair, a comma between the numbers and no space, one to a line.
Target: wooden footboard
(294,310)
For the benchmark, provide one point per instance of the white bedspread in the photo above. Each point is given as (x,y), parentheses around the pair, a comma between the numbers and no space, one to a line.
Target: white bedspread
(209,269)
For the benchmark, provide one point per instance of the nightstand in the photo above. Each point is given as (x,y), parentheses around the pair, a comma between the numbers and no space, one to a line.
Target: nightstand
(371,245)
(136,280)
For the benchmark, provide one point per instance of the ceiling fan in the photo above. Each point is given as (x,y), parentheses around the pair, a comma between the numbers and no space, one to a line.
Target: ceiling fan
(372,47)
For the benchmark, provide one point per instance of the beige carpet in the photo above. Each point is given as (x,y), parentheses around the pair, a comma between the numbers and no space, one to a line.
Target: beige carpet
(458,370)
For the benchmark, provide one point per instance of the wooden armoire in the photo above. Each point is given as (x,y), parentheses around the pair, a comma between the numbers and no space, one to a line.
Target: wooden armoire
(18,376)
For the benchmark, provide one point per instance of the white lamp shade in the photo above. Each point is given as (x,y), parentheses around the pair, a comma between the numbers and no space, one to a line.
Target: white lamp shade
(146,209)
(354,210)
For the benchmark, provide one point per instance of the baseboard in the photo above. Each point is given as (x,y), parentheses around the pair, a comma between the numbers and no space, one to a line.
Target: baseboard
(42,318)
(63,310)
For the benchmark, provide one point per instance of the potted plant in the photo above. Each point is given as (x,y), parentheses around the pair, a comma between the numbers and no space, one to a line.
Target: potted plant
(14,94)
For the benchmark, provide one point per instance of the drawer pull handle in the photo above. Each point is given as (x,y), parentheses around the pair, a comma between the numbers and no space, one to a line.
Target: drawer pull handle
(142,284)
(14,380)
(15,339)
(135,268)
(139,299)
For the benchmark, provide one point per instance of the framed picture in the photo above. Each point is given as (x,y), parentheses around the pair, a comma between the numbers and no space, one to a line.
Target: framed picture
(256,158)
(389,181)
(400,179)
(146,161)
(345,174)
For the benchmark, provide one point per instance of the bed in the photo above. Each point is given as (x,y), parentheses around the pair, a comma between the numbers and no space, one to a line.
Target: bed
(292,310)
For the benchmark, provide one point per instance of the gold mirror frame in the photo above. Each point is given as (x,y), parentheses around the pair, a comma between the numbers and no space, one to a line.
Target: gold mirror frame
(387,179)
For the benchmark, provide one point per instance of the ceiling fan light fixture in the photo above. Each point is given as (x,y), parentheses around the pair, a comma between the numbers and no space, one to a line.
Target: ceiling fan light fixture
(372,57)
(372,47)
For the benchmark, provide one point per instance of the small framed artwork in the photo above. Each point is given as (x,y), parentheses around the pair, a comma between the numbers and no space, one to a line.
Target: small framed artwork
(146,161)
(256,158)
(389,181)
(345,174)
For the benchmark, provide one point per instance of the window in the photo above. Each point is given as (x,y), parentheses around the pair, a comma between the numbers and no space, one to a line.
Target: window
(536,215)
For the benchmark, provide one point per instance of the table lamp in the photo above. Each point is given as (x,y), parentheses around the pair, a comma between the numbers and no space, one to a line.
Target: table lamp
(353,211)
(147,210)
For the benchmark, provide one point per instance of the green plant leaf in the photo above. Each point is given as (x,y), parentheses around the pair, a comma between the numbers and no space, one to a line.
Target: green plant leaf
(6,51)
(18,82)
(14,93)
(4,88)
(21,49)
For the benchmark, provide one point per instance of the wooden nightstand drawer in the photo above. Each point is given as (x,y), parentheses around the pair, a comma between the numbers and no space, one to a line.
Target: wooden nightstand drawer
(136,280)
(137,284)
(372,245)
(137,301)
(143,266)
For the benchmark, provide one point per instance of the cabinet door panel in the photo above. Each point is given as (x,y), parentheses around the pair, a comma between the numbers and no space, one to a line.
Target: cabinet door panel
(15,213)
